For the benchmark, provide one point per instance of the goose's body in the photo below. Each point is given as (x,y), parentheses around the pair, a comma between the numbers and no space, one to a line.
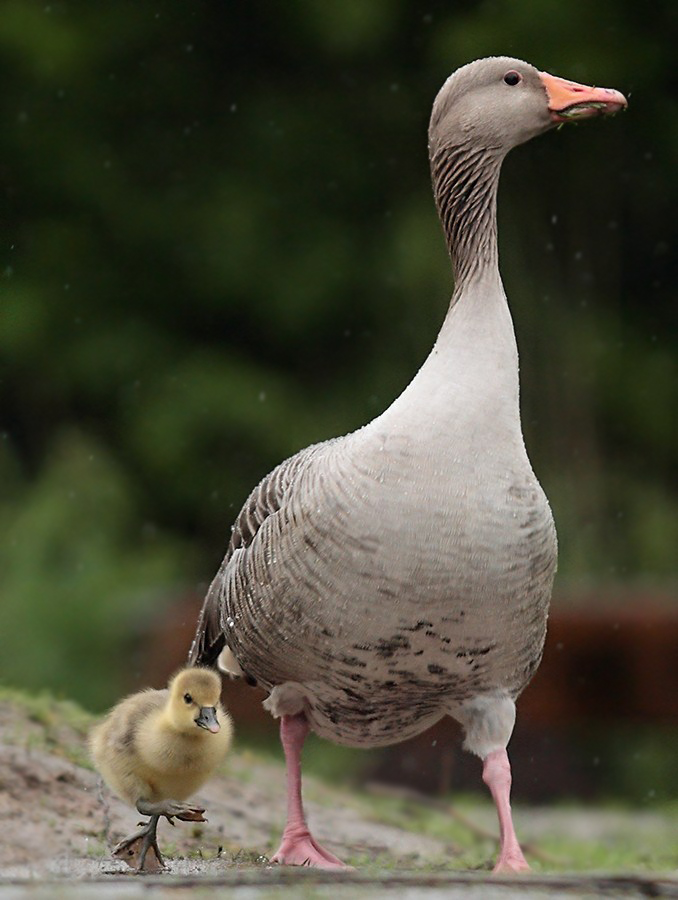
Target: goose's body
(439,588)
(156,748)
(379,581)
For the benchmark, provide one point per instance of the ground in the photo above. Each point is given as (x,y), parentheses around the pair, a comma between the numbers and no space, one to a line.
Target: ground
(58,826)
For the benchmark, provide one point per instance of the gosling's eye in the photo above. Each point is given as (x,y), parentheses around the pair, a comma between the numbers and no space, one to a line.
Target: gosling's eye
(512,78)
(188,699)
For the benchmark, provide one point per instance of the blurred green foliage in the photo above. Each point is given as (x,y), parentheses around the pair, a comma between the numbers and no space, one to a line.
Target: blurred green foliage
(220,246)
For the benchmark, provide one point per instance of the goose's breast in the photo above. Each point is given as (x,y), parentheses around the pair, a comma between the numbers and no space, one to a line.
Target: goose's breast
(457,537)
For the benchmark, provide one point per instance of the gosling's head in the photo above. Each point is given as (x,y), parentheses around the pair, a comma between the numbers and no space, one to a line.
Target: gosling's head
(194,700)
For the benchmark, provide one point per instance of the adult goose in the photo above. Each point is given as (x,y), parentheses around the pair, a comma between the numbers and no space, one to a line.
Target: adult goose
(379,581)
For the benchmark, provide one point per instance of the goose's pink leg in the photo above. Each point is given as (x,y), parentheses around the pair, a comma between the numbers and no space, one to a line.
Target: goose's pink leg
(298,847)
(497,776)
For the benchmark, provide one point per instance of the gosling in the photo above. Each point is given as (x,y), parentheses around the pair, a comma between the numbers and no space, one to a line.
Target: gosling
(156,748)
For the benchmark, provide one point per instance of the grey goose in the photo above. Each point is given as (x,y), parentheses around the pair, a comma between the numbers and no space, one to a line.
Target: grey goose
(379,581)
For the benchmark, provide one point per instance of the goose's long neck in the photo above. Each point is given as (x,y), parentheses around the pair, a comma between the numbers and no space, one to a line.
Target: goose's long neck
(467,389)
(465,181)
(468,385)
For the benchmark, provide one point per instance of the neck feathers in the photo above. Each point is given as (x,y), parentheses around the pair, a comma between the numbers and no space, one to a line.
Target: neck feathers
(465,181)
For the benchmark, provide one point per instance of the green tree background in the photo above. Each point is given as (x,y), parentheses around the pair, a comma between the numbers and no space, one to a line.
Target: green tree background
(219,245)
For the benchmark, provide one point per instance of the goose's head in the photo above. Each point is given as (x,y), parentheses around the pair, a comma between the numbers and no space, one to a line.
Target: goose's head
(500,102)
(194,700)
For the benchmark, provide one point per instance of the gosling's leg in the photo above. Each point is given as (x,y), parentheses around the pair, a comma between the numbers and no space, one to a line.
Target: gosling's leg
(150,841)
(298,846)
(134,850)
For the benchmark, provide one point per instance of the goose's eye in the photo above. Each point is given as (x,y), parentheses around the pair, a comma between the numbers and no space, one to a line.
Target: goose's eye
(188,699)
(512,78)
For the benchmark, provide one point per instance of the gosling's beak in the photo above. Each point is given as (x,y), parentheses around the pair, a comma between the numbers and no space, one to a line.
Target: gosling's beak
(208,719)
(568,100)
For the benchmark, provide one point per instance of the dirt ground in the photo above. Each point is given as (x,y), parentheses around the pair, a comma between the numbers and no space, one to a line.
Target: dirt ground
(57,826)
(53,809)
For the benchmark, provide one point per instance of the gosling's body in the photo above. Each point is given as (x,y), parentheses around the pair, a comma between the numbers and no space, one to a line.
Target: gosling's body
(141,754)
(157,747)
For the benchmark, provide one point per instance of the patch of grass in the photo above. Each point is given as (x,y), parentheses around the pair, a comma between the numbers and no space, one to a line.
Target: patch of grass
(614,838)
(96,848)
(60,726)
(613,854)
(242,857)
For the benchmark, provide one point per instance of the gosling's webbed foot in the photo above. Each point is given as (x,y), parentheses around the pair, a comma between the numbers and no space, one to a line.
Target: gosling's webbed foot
(171,809)
(191,814)
(140,850)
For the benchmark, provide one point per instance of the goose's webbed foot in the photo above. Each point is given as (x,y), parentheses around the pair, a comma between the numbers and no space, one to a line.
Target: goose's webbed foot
(299,848)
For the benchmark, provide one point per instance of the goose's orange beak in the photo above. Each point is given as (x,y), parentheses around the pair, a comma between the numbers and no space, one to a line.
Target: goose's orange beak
(568,100)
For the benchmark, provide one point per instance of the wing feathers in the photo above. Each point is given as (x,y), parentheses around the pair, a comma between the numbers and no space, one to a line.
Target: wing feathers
(266,499)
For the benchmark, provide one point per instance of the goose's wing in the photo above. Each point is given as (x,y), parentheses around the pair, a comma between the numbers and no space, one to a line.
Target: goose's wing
(267,499)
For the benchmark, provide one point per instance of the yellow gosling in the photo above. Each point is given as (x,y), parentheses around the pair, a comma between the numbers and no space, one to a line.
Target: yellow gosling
(156,748)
